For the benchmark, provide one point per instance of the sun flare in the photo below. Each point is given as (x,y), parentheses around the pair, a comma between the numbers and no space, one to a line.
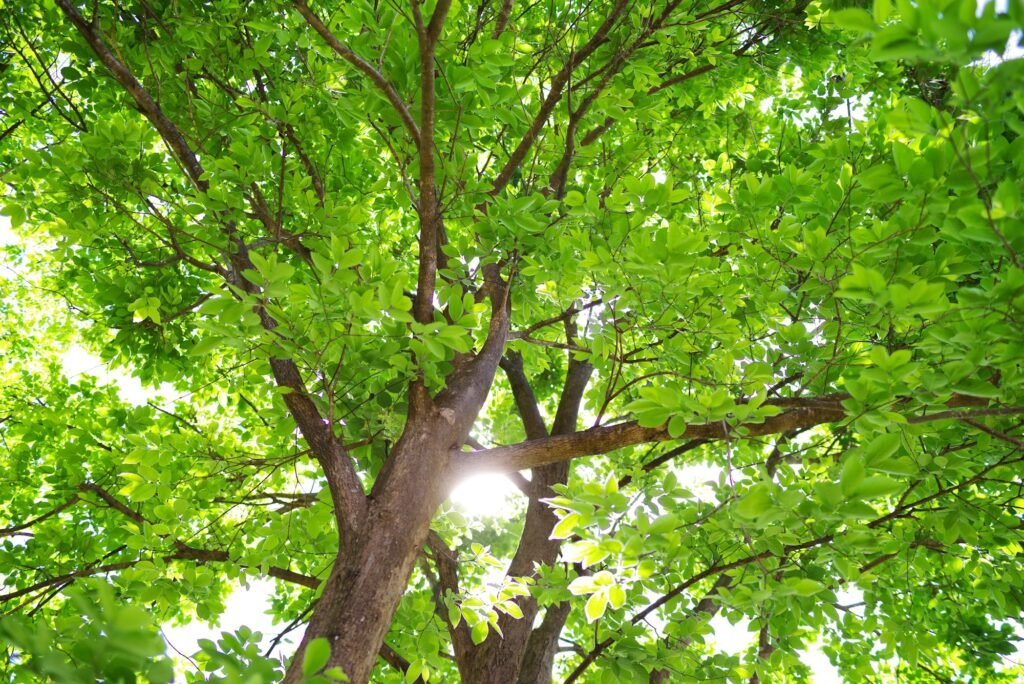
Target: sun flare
(488,496)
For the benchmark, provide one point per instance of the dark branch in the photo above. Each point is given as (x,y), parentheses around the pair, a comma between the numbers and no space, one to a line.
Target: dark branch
(168,131)
(797,414)
(362,65)
(14,529)
(555,92)
(522,393)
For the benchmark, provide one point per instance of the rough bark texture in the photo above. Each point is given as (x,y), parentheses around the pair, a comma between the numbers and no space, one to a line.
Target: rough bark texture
(357,605)
(538,661)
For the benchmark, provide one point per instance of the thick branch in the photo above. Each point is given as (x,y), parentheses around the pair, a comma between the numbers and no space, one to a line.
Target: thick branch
(395,660)
(798,414)
(346,491)
(576,379)
(447,563)
(522,393)
(501,21)
(601,440)
(428,205)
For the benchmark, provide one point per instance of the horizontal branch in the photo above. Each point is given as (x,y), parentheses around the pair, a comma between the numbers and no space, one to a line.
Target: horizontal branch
(184,553)
(602,440)
(797,414)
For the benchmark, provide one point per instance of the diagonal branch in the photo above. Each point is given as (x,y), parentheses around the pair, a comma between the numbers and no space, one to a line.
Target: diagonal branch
(718,569)
(757,37)
(168,131)
(346,490)
(707,607)
(362,65)
(15,529)
(611,69)
(501,21)
(395,660)
(522,393)
(557,89)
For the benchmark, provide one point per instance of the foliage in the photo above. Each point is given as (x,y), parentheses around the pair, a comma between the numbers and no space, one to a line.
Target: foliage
(97,640)
(751,270)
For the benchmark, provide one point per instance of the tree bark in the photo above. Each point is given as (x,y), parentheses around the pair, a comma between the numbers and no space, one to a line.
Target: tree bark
(362,593)
(500,658)
(538,661)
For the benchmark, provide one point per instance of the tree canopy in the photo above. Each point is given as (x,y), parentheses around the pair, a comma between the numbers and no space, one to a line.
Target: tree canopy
(375,247)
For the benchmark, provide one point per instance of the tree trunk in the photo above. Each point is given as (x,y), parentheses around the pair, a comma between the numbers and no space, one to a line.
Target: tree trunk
(366,585)
(360,598)
(539,660)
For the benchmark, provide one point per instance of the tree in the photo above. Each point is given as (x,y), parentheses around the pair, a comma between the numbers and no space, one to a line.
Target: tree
(381,246)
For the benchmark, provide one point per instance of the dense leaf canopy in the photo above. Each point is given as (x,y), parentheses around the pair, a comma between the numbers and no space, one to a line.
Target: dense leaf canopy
(731,290)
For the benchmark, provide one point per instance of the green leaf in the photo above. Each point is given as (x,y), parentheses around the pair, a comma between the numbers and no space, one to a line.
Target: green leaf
(877,485)
(881,448)
(854,19)
(881,10)
(804,586)
(454,614)
(318,652)
(583,585)
(616,596)
(513,609)
(755,502)
(573,198)
(596,606)
(566,526)
(676,426)
(478,632)
(143,492)
(413,673)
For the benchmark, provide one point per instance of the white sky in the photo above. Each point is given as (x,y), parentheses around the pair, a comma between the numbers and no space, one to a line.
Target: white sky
(7,236)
